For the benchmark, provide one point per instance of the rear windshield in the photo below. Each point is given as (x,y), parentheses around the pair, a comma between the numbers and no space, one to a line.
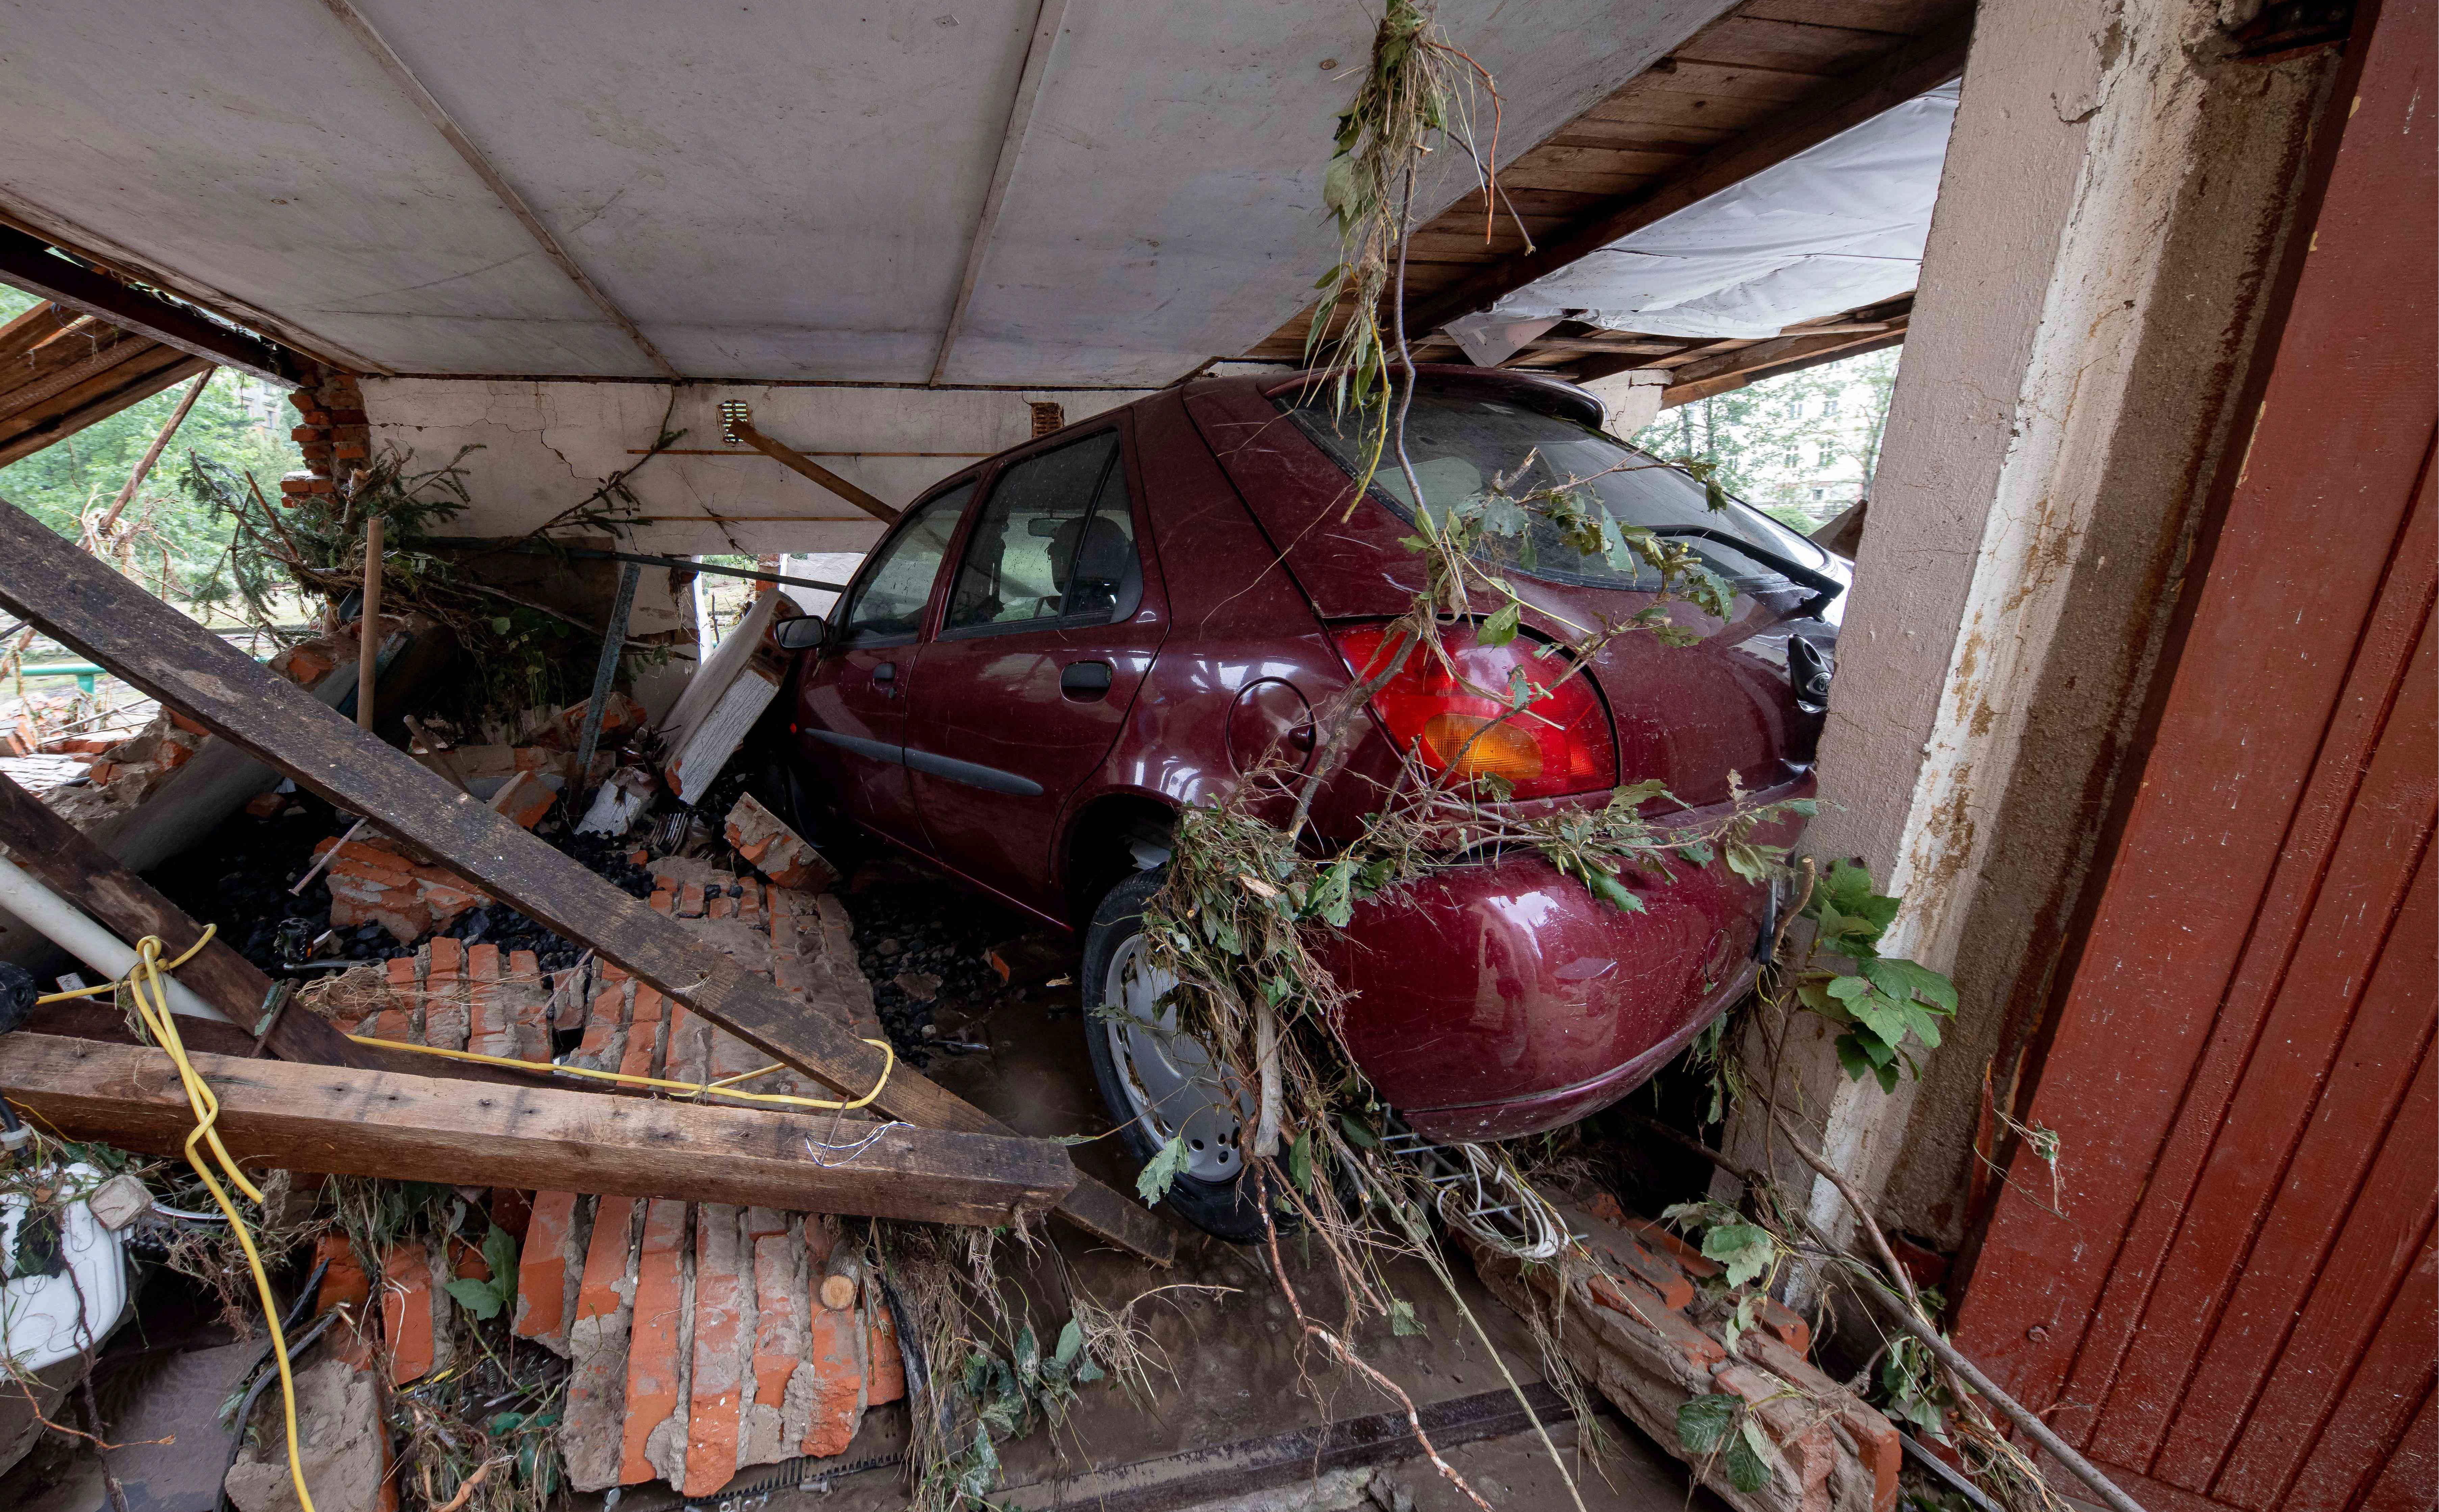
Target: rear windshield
(1457,442)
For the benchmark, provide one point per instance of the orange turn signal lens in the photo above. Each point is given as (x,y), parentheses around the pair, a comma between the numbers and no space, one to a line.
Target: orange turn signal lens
(1472,746)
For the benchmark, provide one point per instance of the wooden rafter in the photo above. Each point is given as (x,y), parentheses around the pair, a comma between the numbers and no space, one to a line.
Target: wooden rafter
(29,263)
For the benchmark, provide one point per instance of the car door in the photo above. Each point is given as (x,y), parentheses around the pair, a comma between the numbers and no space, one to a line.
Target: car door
(852,698)
(1050,624)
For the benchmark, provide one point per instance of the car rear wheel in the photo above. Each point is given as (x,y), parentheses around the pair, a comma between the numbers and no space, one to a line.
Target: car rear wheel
(1160,1084)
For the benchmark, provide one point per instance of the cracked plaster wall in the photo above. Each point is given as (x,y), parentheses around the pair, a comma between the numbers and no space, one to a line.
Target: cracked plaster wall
(545,445)
(2116,194)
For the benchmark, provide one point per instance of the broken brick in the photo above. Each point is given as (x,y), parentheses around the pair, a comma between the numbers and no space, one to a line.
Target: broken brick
(652,1358)
(408,1322)
(776,850)
(523,799)
(542,1265)
(714,1395)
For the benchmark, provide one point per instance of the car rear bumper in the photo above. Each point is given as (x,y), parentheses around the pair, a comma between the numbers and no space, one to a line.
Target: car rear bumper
(1500,1000)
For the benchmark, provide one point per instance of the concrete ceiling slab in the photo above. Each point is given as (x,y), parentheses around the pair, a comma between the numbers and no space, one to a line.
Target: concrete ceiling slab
(253,148)
(771,191)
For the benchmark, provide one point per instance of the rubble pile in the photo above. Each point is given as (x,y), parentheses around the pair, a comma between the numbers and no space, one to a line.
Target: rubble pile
(701,1338)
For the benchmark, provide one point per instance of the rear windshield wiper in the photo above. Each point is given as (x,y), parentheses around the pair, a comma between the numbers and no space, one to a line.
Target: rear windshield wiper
(1826,589)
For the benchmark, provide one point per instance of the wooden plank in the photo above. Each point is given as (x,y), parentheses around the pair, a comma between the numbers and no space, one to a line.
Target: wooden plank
(1741,38)
(127,379)
(1749,361)
(2347,1022)
(282,1116)
(2364,1333)
(82,604)
(2310,541)
(28,264)
(799,463)
(1892,80)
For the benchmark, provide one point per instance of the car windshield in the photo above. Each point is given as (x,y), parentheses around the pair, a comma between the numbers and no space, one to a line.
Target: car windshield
(1457,442)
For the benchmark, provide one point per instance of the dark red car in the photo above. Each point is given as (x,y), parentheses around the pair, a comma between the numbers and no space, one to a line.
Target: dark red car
(1055,650)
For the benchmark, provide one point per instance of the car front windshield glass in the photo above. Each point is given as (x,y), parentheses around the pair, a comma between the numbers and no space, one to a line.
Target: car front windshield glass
(1457,442)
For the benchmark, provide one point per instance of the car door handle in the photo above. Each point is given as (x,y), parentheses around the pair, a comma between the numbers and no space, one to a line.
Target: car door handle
(1086,681)
(885,677)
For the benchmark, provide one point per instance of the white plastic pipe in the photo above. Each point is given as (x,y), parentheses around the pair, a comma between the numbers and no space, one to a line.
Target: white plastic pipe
(67,927)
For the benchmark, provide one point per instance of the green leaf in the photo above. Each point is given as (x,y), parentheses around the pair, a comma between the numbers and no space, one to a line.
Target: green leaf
(1750,1456)
(1704,1423)
(1027,1355)
(475,1296)
(1851,1058)
(1071,1342)
(1611,891)
(1904,981)
(1300,1161)
(1153,1183)
(1357,1135)
(500,1253)
(1500,627)
(1745,1249)
(1401,1319)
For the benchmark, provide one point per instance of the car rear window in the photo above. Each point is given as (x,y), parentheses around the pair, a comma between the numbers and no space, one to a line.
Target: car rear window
(1457,442)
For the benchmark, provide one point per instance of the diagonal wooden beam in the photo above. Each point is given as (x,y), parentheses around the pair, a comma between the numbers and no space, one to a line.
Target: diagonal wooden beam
(797,462)
(1925,63)
(28,264)
(353,1122)
(421,98)
(83,604)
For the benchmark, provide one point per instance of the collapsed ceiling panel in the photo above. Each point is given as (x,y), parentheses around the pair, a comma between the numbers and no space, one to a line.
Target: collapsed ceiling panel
(1840,225)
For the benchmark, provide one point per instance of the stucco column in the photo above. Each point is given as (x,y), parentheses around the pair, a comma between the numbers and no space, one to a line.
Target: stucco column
(2116,192)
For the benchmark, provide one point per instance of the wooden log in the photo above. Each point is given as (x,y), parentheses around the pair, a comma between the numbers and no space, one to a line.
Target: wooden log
(842,1278)
(283,1116)
(102,614)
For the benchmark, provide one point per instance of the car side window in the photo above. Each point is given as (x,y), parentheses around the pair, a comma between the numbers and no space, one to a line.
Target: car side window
(888,605)
(1055,542)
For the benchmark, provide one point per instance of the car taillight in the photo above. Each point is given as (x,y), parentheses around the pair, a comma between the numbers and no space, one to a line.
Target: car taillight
(1560,743)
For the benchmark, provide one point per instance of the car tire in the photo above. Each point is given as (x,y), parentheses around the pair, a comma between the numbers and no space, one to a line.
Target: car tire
(1146,1071)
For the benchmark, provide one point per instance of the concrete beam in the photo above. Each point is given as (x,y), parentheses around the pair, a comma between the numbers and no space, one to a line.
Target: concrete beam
(1048,23)
(2116,195)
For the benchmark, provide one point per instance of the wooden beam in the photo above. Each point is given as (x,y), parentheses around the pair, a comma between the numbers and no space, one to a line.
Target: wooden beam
(353,22)
(82,604)
(796,461)
(1925,63)
(58,854)
(1732,370)
(281,1116)
(28,264)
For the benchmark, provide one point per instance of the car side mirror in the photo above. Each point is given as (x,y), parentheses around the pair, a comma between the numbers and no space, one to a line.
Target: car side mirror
(801,633)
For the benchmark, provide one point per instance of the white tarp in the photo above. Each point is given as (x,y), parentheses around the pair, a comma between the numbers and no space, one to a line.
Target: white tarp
(1839,225)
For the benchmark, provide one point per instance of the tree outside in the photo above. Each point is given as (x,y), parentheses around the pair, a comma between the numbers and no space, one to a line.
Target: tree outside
(178,545)
(1801,447)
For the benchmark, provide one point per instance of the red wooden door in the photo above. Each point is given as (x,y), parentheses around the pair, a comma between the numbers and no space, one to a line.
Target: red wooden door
(2236,1310)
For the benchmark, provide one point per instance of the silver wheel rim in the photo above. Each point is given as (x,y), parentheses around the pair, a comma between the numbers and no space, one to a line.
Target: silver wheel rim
(1166,1078)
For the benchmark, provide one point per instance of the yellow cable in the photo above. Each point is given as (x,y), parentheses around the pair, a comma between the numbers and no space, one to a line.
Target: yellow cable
(144,977)
(691,1089)
(187,955)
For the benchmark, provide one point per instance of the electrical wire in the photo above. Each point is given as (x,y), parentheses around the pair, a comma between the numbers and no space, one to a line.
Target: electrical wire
(685,1089)
(150,991)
